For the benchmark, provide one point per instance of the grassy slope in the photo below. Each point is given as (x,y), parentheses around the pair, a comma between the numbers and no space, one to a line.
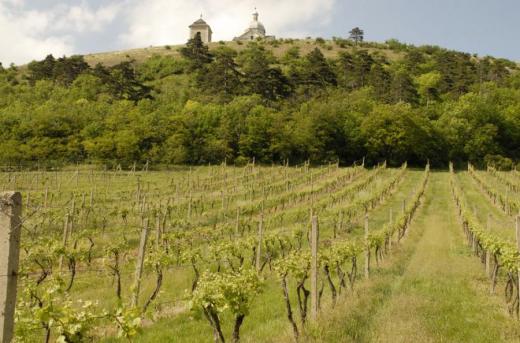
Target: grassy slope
(431,291)
(329,49)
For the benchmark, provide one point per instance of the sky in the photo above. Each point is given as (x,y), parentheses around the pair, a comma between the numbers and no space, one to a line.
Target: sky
(32,29)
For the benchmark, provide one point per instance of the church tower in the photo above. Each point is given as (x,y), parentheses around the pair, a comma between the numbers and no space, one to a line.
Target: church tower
(202,28)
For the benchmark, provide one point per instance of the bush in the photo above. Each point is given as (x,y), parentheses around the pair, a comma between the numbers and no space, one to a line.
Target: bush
(498,162)
(241,161)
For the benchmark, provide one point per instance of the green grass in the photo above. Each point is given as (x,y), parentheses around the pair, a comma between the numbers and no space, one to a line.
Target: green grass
(432,290)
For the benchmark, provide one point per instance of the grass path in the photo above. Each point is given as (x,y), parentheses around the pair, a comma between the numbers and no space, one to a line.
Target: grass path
(432,290)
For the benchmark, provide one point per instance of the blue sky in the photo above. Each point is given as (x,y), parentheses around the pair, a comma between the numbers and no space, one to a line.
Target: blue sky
(32,29)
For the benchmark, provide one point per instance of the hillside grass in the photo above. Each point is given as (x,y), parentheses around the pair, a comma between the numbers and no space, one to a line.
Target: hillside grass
(330,49)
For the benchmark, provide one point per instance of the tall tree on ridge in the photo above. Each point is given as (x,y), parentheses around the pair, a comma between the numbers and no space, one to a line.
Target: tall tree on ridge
(357,35)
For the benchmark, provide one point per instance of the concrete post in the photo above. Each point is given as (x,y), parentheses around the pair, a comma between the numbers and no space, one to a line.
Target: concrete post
(10,228)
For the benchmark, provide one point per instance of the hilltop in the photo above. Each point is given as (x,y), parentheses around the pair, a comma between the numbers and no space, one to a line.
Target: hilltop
(330,49)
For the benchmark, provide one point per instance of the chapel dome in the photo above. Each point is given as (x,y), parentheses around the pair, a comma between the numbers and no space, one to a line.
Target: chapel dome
(256,25)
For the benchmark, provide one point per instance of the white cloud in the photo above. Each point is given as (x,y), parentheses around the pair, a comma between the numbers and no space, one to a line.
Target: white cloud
(28,34)
(82,18)
(157,22)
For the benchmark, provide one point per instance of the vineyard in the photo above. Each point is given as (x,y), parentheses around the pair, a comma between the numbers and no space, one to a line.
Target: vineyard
(266,254)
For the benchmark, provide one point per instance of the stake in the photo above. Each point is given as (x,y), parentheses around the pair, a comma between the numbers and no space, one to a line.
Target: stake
(488,254)
(65,238)
(518,247)
(391,223)
(259,247)
(314,268)
(140,263)
(367,249)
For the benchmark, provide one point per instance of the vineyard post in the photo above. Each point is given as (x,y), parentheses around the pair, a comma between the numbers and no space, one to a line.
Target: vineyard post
(157,231)
(391,224)
(488,253)
(65,238)
(406,221)
(260,238)
(140,263)
(367,249)
(237,224)
(314,267)
(46,196)
(517,224)
(10,228)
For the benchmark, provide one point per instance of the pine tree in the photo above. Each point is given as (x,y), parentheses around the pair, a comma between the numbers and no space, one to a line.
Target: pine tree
(196,53)
(357,35)
(221,77)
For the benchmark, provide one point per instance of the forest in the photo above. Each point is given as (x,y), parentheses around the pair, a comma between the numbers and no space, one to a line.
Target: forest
(380,102)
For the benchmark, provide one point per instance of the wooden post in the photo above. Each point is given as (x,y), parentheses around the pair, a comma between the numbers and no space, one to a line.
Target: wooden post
(189,207)
(140,263)
(45,197)
(391,223)
(518,246)
(488,253)
(237,224)
(259,247)
(314,267)
(157,231)
(339,226)
(10,228)
(66,233)
(367,249)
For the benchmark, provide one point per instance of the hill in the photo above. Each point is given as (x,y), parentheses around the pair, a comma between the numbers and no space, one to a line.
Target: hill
(272,101)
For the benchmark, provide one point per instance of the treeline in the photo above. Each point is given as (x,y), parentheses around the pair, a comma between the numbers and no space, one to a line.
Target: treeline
(391,102)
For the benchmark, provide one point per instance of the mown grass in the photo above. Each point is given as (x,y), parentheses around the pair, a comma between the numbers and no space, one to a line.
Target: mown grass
(432,290)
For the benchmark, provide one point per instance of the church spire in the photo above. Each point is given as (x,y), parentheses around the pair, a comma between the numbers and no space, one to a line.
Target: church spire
(255,15)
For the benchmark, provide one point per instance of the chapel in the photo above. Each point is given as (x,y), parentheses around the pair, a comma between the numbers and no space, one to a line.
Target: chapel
(256,30)
(202,28)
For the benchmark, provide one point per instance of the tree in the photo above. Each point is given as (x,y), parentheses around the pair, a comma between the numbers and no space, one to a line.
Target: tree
(316,70)
(357,35)
(63,70)
(397,134)
(428,86)
(380,80)
(123,81)
(221,77)
(402,88)
(196,53)
(259,77)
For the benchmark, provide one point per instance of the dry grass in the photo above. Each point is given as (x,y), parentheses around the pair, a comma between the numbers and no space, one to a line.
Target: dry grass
(330,49)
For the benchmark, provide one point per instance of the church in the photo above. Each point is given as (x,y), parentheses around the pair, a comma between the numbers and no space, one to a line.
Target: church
(202,28)
(256,30)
